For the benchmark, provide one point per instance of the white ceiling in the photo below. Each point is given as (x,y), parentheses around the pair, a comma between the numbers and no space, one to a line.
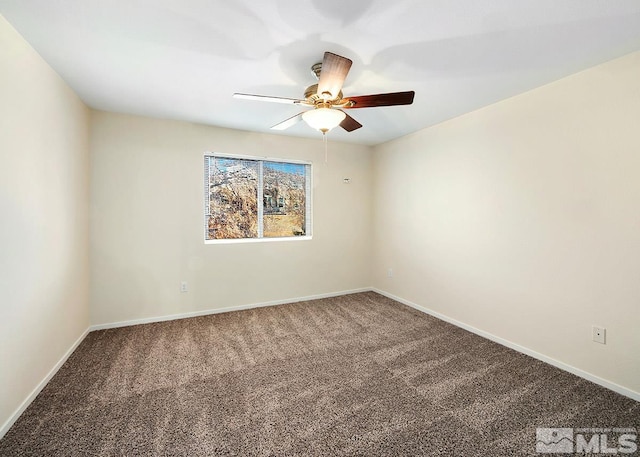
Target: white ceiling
(183,59)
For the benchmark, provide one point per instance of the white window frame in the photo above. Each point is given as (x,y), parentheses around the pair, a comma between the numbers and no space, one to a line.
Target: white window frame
(260,239)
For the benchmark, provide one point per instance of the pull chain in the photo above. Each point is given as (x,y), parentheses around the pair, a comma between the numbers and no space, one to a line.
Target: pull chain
(326,151)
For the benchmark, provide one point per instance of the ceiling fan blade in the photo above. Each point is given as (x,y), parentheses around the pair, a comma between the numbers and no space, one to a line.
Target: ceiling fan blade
(288,123)
(350,124)
(390,99)
(334,71)
(266,98)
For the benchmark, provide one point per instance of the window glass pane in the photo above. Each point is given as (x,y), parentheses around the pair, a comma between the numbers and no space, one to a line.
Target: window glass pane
(252,198)
(233,199)
(283,199)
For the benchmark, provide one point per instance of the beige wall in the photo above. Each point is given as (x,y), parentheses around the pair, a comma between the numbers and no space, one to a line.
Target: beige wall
(147,222)
(522,219)
(44,195)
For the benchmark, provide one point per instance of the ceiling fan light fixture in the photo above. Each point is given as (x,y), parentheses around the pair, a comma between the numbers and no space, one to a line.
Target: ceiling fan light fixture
(323,119)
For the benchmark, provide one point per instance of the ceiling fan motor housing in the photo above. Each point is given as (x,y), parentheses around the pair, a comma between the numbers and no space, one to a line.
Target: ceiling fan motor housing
(311,94)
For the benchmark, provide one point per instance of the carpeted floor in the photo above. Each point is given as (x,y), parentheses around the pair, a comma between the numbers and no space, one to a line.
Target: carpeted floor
(357,375)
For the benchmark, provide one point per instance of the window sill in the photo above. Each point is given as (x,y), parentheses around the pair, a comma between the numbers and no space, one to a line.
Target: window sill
(258,240)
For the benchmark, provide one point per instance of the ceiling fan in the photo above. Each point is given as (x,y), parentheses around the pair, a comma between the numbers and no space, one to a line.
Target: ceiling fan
(327,100)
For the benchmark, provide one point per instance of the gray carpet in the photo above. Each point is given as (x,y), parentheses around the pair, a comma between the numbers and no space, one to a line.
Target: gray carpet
(357,375)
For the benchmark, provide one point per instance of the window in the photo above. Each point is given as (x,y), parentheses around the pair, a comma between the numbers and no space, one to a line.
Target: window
(254,199)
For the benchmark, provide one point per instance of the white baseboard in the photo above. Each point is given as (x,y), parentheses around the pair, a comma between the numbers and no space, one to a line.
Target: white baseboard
(536,355)
(563,366)
(34,393)
(170,317)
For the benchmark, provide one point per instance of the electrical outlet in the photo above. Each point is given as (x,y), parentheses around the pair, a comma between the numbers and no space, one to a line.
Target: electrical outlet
(390,273)
(184,287)
(599,334)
